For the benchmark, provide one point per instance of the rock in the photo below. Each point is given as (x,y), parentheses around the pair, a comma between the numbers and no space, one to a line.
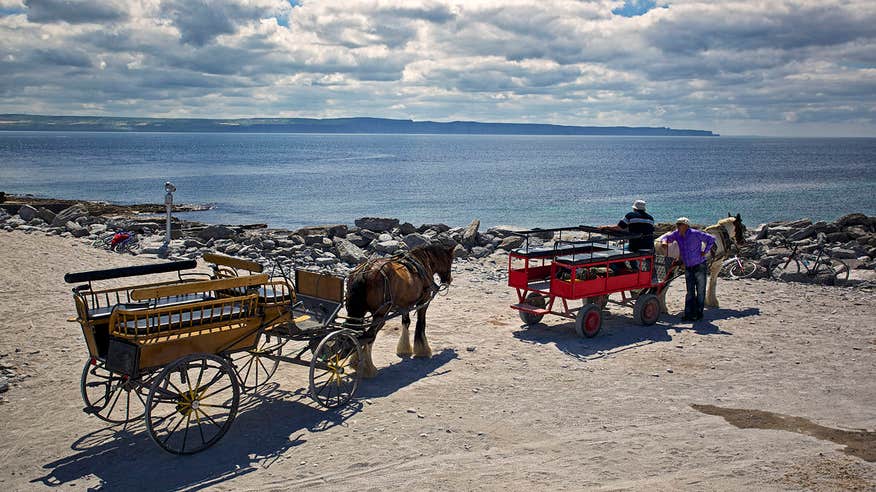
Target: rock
(349,252)
(460,252)
(358,240)
(15,222)
(797,224)
(387,246)
(438,228)
(75,229)
(852,220)
(376,224)
(504,230)
(27,213)
(268,244)
(46,214)
(326,261)
(842,253)
(469,237)
(479,252)
(406,228)
(4,385)
(384,237)
(216,232)
(804,233)
(69,214)
(511,242)
(413,240)
(192,243)
(97,228)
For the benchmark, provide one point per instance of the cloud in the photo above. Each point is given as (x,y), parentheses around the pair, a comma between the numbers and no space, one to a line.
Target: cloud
(75,11)
(784,66)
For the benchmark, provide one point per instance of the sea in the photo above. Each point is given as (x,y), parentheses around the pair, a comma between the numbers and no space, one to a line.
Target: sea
(294,180)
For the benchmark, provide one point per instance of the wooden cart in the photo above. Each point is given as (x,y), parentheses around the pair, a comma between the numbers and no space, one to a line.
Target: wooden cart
(180,353)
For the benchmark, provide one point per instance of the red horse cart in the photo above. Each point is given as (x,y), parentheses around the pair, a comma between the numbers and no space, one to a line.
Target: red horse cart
(590,266)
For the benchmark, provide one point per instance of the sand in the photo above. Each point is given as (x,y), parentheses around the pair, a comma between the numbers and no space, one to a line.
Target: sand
(773,391)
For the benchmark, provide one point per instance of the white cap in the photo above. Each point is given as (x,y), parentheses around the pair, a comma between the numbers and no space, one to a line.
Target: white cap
(639,205)
(683,220)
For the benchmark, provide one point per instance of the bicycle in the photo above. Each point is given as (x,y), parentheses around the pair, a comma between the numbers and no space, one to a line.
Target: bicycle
(818,264)
(736,267)
(120,242)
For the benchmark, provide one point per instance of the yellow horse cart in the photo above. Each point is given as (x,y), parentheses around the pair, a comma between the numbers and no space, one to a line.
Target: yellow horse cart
(180,353)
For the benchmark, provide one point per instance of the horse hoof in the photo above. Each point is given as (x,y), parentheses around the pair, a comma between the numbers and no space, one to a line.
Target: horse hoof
(423,355)
(405,355)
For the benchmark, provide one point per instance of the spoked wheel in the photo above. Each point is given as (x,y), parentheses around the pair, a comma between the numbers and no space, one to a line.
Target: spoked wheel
(333,379)
(742,269)
(254,368)
(647,309)
(537,300)
(840,269)
(589,321)
(783,266)
(192,403)
(109,396)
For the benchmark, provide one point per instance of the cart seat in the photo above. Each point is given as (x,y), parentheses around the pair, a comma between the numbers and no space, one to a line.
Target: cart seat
(270,295)
(105,311)
(561,249)
(318,312)
(183,319)
(597,257)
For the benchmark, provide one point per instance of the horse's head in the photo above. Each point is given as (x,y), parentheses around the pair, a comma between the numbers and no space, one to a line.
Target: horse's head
(739,229)
(438,258)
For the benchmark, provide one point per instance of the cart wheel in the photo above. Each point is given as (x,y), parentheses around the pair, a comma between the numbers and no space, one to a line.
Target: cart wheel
(533,299)
(333,379)
(192,403)
(253,367)
(589,321)
(110,396)
(647,309)
(840,269)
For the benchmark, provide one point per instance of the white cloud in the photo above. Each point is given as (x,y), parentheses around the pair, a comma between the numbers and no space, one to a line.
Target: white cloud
(711,65)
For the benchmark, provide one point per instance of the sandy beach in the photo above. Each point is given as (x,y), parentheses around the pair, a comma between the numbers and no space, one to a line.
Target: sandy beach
(772,391)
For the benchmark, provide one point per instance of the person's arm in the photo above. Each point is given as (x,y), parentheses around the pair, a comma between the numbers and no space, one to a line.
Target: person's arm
(671,238)
(710,241)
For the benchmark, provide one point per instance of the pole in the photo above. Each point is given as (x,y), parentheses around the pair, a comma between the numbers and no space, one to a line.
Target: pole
(168,203)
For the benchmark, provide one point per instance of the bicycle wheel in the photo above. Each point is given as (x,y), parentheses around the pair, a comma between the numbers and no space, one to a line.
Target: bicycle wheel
(742,268)
(840,269)
(784,267)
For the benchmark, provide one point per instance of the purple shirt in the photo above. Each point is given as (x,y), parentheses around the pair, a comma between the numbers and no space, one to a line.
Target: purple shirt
(691,245)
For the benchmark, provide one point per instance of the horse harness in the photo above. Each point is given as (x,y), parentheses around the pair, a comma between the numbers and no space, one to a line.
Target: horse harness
(726,241)
(415,267)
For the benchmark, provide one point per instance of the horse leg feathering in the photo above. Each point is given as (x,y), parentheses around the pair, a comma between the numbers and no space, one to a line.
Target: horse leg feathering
(403,349)
(421,344)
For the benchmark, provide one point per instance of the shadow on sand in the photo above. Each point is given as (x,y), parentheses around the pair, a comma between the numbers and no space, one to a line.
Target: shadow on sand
(620,333)
(270,422)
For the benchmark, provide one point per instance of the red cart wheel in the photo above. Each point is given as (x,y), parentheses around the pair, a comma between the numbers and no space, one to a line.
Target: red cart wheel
(647,309)
(537,300)
(589,321)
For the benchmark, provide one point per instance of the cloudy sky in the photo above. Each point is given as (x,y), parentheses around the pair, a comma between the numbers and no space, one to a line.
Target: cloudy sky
(802,68)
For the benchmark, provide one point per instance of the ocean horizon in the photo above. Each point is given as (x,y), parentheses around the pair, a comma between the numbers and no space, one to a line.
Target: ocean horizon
(294,180)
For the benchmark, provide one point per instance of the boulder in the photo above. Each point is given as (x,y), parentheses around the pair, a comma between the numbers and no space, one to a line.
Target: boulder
(216,232)
(406,228)
(384,237)
(268,244)
(326,261)
(460,252)
(438,228)
(804,233)
(349,252)
(376,224)
(358,240)
(97,228)
(75,229)
(479,252)
(69,214)
(27,213)
(413,240)
(503,231)
(314,239)
(368,235)
(842,253)
(511,242)
(469,237)
(387,246)
(853,220)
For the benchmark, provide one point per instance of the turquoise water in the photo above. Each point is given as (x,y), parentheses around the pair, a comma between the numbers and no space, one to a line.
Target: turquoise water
(290,180)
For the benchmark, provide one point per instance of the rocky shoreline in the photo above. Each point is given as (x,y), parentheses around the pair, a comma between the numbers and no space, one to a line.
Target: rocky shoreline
(337,248)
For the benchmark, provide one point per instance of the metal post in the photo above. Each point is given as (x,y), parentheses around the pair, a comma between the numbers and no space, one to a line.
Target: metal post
(168,202)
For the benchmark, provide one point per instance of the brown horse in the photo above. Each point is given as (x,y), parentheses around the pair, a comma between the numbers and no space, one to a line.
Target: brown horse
(398,284)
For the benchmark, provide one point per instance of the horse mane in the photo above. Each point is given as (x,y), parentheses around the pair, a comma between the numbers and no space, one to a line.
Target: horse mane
(357,293)
(726,220)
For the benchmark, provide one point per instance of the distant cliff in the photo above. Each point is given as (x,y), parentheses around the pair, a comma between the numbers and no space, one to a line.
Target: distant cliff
(24,122)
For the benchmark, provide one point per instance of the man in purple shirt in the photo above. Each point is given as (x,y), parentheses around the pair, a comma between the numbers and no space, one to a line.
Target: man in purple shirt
(693,246)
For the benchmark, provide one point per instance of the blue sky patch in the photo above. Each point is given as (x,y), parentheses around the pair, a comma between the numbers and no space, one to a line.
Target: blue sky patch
(633,8)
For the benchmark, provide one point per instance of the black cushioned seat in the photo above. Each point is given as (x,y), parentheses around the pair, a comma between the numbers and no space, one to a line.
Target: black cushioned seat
(319,312)
(184,319)
(105,311)
(597,257)
(564,249)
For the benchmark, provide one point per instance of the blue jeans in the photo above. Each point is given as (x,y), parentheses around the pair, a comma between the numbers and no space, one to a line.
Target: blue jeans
(694,301)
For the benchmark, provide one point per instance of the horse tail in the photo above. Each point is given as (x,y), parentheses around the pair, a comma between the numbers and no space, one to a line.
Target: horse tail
(357,294)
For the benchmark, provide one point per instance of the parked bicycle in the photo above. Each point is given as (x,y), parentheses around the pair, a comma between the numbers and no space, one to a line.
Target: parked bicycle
(736,267)
(818,264)
(120,242)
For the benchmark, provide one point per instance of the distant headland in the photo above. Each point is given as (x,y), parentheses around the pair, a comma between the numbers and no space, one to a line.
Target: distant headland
(25,122)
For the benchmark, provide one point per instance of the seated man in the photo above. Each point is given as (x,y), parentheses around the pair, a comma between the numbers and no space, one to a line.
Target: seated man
(636,222)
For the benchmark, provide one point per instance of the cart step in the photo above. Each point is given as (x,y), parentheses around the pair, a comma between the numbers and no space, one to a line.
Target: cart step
(529,308)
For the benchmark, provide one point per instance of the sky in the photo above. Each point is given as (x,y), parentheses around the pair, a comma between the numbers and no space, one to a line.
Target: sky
(777,68)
